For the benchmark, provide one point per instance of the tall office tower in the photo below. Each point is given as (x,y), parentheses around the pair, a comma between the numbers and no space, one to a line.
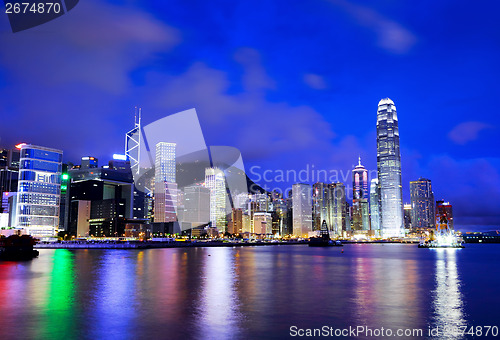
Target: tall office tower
(302,209)
(235,226)
(339,209)
(9,174)
(39,190)
(109,192)
(389,170)
(89,163)
(375,205)
(444,209)
(196,205)
(165,194)
(329,206)
(215,180)
(360,213)
(321,201)
(422,204)
(407,215)
(133,145)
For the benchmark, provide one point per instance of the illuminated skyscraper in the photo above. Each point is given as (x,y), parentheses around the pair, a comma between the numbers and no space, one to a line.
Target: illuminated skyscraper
(375,205)
(133,145)
(165,194)
(302,209)
(360,213)
(407,215)
(329,204)
(444,209)
(389,170)
(422,204)
(215,181)
(39,190)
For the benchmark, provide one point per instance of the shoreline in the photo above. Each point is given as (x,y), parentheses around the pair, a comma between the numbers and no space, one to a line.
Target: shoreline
(180,244)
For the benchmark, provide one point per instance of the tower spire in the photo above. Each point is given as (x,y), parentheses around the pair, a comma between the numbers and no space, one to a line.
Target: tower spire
(359,160)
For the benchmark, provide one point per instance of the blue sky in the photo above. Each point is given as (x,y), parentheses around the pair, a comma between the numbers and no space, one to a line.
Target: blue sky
(289,83)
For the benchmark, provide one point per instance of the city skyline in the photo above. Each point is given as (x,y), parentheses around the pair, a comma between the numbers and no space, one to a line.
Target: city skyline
(238,79)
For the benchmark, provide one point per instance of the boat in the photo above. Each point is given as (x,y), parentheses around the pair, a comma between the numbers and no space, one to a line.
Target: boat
(17,247)
(324,239)
(444,237)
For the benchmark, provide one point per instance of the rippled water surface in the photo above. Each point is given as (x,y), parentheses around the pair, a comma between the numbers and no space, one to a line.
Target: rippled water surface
(246,293)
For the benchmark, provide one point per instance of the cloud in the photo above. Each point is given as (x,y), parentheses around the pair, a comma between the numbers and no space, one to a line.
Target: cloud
(96,44)
(67,82)
(391,35)
(467,131)
(247,120)
(315,81)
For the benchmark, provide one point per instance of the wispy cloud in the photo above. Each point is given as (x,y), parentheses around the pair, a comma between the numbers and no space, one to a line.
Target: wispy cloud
(391,35)
(467,131)
(315,81)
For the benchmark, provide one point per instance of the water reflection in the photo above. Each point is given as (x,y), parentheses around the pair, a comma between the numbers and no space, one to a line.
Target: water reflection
(219,313)
(387,291)
(448,302)
(247,293)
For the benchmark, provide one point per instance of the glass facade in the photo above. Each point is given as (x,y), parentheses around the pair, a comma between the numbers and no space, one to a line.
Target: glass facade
(375,206)
(360,194)
(165,194)
(302,209)
(422,204)
(389,170)
(215,180)
(39,190)
(329,205)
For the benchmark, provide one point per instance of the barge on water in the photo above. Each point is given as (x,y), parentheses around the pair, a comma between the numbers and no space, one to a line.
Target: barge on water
(17,247)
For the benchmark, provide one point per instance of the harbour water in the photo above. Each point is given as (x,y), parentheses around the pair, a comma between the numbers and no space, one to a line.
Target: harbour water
(248,293)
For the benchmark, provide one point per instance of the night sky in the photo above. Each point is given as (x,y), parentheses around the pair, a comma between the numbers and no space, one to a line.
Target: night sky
(289,83)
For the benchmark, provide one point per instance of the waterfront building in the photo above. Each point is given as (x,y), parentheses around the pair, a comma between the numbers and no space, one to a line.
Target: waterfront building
(235,225)
(280,216)
(262,223)
(329,205)
(444,209)
(407,215)
(375,206)
(111,205)
(196,205)
(321,203)
(39,190)
(215,181)
(422,204)
(165,194)
(302,209)
(389,170)
(360,208)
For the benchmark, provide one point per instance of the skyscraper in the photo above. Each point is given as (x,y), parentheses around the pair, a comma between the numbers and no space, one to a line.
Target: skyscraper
(133,145)
(329,204)
(422,204)
(361,215)
(302,209)
(389,170)
(215,180)
(375,206)
(444,209)
(39,190)
(165,194)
